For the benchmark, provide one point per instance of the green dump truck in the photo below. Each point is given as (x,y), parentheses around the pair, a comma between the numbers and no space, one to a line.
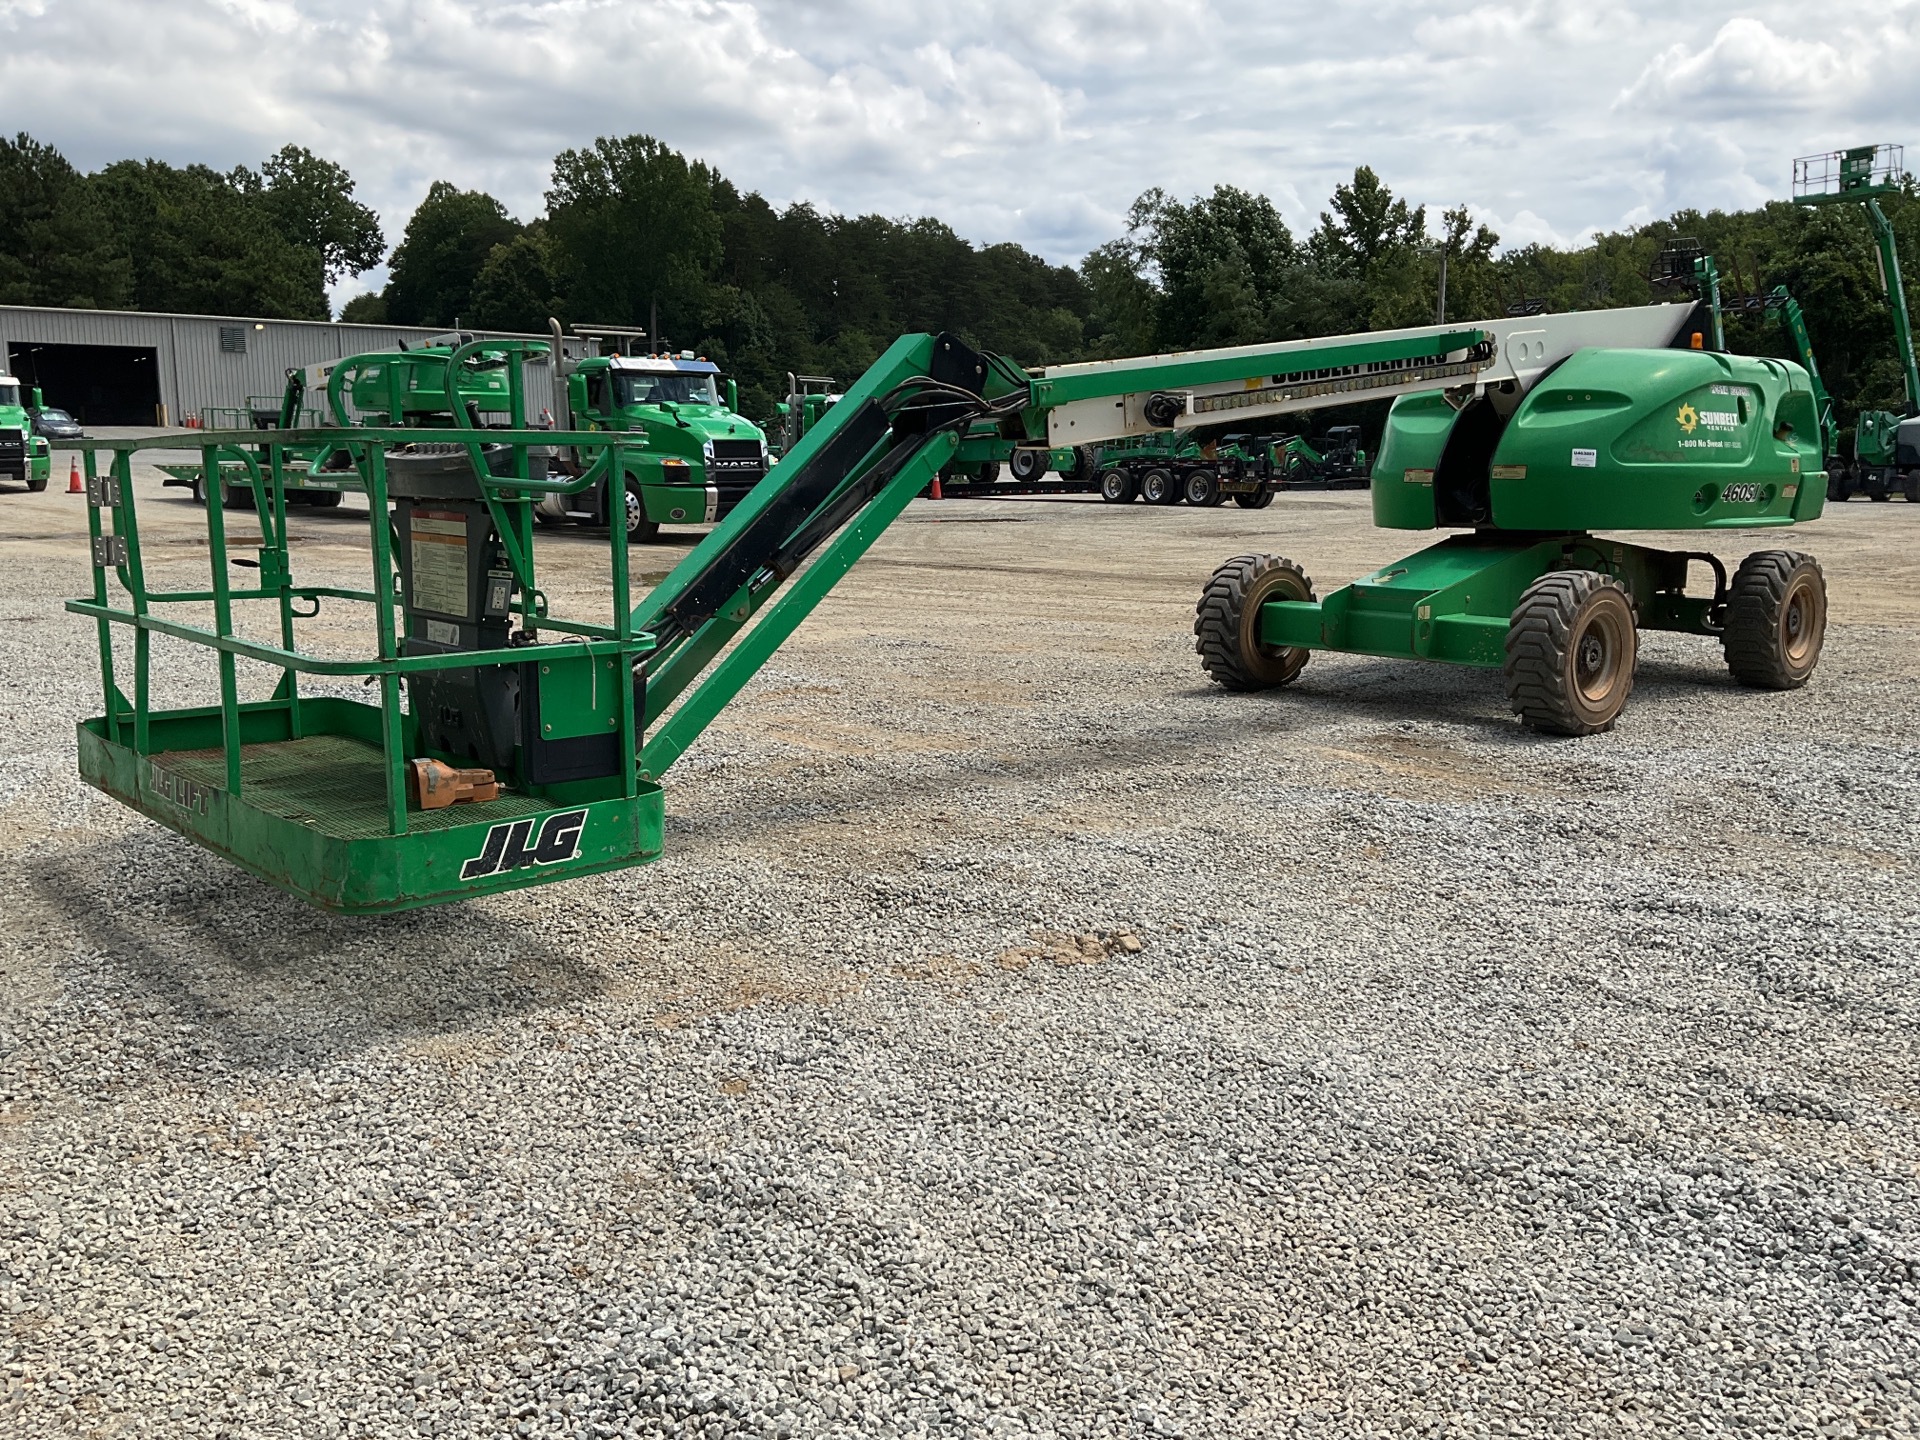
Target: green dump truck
(24,456)
(700,458)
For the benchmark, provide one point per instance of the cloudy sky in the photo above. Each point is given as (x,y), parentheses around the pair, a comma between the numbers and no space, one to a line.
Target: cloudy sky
(1031,120)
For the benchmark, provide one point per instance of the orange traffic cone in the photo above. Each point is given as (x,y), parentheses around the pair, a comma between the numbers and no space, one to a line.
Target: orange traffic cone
(74,487)
(934,494)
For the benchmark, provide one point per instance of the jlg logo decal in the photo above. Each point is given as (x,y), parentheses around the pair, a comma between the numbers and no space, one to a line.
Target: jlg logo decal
(507,848)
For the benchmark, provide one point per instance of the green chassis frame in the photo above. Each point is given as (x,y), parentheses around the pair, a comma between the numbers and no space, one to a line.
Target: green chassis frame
(1454,601)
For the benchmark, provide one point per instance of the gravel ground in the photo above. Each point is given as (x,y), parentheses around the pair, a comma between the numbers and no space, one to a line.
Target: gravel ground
(1020,1037)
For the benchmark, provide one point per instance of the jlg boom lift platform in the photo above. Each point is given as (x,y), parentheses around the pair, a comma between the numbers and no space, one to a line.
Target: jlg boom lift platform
(1526,435)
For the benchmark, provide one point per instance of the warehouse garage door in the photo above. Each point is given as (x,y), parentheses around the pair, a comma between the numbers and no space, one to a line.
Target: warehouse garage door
(99,384)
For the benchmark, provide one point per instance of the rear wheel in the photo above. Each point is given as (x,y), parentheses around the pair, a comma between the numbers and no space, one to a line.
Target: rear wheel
(1909,486)
(1571,650)
(1203,488)
(236,497)
(1157,487)
(1116,487)
(1028,463)
(1776,620)
(1086,463)
(1226,622)
(1259,500)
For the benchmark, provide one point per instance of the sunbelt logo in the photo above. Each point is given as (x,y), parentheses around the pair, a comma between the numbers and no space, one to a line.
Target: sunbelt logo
(1690,419)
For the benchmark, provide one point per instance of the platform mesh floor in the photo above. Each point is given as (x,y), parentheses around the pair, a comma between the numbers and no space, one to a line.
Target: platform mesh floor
(333,783)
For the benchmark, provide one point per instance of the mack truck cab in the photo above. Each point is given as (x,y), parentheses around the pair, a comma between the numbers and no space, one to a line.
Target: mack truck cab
(24,456)
(701,456)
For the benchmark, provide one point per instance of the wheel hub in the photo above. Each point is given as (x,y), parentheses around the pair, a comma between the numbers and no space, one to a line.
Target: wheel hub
(636,512)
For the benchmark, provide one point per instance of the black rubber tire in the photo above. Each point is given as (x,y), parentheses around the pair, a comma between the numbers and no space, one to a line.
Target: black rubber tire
(640,530)
(1909,486)
(1776,620)
(1158,487)
(198,489)
(1028,463)
(988,474)
(324,499)
(1229,609)
(1571,651)
(1117,486)
(36,483)
(236,497)
(1202,488)
(1259,500)
(1839,485)
(1086,464)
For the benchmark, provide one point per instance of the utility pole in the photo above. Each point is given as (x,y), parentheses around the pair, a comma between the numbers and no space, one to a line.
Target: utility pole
(1440,310)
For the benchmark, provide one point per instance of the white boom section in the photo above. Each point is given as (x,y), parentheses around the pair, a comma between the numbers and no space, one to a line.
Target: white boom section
(1250,382)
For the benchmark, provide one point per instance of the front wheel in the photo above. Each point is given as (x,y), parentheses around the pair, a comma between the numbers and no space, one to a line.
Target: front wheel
(36,482)
(1776,620)
(1571,650)
(1226,622)
(639,528)
(1116,487)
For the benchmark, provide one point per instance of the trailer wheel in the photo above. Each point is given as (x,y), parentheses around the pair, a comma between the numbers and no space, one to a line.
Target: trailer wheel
(1226,622)
(1776,620)
(1086,463)
(1203,488)
(1909,486)
(1027,463)
(1571,650)
(1117,487)
(236,497)
(1259,500)
(1157,487)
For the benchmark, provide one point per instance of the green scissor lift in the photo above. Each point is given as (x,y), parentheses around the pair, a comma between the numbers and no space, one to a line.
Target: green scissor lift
(580,719)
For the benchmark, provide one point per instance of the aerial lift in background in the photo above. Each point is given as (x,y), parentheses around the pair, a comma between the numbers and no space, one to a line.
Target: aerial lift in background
(1524,435)
(1886,445)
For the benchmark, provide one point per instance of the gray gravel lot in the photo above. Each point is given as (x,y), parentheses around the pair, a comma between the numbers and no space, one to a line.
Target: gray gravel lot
(1020,1037)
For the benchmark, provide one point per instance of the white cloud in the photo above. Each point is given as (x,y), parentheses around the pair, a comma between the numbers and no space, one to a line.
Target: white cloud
(1011,119)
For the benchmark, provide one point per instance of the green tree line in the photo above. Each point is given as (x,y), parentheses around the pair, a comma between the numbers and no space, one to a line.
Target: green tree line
(635,233)
(143,235)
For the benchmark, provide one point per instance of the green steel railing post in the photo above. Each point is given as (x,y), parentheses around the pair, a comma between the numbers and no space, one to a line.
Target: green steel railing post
(103,627)
(623,631)
(133,575)
(222,617)
(289,679)
(392,740)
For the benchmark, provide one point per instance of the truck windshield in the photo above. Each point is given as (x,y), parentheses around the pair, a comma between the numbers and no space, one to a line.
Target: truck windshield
(664,389)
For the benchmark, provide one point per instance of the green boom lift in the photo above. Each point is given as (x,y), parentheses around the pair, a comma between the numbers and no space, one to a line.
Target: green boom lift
(1527,434)
(1886,446)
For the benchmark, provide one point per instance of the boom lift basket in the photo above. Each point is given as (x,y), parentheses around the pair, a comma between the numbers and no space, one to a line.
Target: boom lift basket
(310,790)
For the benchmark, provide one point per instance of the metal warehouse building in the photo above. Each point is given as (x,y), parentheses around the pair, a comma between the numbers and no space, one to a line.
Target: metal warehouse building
(132,367)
